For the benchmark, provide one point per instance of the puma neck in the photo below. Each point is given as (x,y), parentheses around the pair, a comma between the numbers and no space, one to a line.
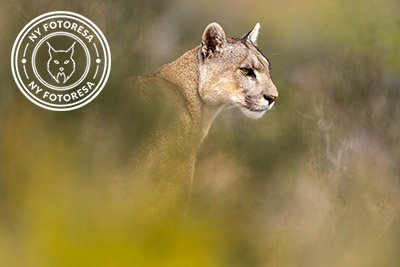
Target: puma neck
(183,73)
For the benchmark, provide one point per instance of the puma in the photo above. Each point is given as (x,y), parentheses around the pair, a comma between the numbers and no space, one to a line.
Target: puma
(218,74)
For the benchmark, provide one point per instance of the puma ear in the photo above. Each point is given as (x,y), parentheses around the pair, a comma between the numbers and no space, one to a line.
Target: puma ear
(71,49)
(212,40)
(51,49)
(252,35)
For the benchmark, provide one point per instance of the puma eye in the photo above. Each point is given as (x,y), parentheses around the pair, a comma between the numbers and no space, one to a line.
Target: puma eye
(248,72)
(66,61)
(56,61)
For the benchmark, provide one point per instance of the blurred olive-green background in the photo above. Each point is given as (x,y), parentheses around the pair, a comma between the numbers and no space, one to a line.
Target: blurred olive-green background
(315,182)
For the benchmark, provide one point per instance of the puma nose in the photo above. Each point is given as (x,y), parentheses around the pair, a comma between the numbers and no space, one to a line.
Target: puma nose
(61,68)
(270,98)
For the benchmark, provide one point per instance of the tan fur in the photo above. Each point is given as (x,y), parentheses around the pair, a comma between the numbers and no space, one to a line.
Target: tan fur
(197,86)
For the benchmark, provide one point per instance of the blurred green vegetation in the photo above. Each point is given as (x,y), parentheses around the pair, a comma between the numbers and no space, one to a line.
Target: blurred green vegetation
(315,182)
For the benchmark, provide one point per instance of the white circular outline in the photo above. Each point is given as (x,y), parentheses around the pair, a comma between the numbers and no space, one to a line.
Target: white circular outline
(61,88)
(106,51)
(83,99)
(93,91)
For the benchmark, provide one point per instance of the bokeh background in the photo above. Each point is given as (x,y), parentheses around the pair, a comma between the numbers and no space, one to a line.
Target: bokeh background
(315,182)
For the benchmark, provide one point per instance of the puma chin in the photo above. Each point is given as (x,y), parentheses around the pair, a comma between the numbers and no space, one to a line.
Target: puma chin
(255,112)
(234,72)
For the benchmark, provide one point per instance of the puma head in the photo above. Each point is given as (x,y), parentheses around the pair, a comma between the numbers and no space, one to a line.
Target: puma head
(234,73)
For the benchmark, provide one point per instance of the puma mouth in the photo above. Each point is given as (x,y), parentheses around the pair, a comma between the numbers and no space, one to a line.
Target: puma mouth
(259,109)
(255,113)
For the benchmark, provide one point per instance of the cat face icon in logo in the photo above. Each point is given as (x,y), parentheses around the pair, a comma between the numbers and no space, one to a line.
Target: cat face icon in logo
(61,61)
(61,64)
